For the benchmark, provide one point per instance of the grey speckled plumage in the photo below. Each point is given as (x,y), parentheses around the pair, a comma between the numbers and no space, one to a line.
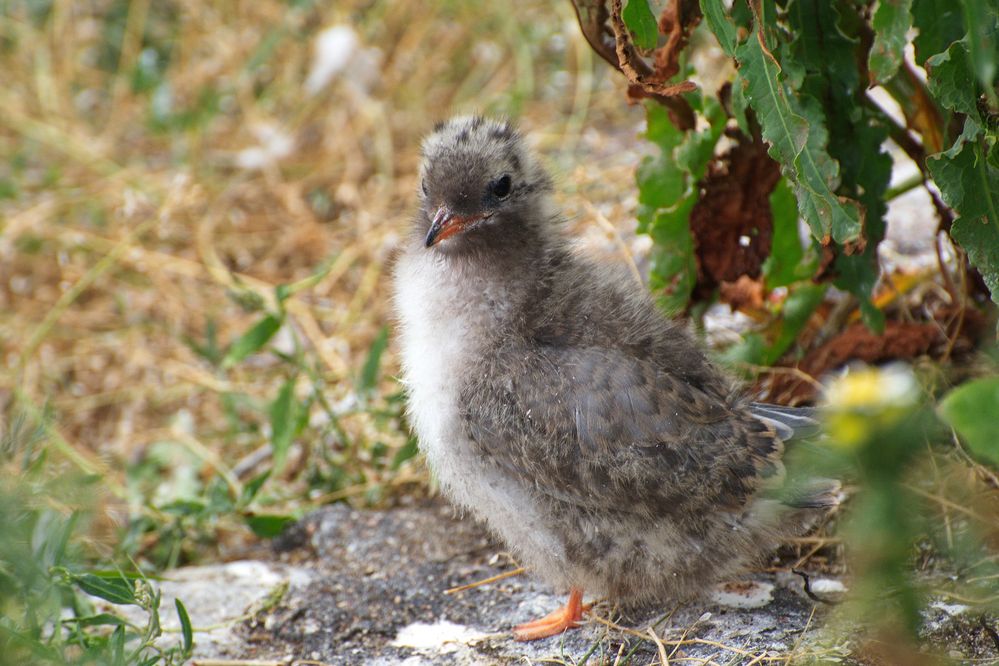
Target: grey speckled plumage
(554,400)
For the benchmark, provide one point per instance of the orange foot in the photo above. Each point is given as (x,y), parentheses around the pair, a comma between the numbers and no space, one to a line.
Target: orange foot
(556,622)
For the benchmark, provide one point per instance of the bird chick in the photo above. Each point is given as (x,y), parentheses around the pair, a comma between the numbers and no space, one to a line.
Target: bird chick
(557,403)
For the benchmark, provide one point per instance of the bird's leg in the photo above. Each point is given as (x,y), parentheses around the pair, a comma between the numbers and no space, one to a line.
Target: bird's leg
(556,622)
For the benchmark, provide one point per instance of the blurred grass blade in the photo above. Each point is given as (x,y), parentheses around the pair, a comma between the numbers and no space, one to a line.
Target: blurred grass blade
(251,489)
(253,340)
(973,411)
(268,526)
(283,421)
(185,627)
(118,646)
(284,291)
(409,449)
(369,373)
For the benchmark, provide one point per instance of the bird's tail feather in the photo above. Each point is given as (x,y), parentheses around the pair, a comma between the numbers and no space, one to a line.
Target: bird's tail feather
(789,422)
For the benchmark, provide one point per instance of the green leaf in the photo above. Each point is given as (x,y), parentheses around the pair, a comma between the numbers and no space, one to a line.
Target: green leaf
(268,526)
(798,307)
(661,182)
(111,587)
(642,23)
(821,47)
(797,136)
(253,340)
(694,153)
(184,507)
(982,21)
(891,22)
(185,627)
(721,26)
(866,173)
(369,373)
(754,349)
(780,268)
(970,185)
(659,129)
(951,80)
(855,134)
(971,410)
(667,192)
(283,421)
(940,22)
(673,265)
(750,351)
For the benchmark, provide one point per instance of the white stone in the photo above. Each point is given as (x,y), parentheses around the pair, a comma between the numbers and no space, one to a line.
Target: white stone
(441,636)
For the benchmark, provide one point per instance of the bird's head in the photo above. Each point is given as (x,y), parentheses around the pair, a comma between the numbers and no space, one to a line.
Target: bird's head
(480,186)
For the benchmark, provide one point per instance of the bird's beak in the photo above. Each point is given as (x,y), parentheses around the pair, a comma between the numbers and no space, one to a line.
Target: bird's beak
(447,224)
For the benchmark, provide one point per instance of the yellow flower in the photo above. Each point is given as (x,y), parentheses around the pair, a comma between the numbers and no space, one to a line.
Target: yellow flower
(864,400)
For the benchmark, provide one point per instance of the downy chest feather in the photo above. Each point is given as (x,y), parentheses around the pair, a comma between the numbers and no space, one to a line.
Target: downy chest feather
(446,320)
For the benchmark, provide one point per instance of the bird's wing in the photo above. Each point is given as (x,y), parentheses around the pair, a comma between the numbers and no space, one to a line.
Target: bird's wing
(606,430)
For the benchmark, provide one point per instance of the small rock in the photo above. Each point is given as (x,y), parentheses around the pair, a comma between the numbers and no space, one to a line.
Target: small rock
(442,636)
(744,594)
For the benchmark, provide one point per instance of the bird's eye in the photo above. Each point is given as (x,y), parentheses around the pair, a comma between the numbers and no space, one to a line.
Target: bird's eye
(501,188)
(423,186)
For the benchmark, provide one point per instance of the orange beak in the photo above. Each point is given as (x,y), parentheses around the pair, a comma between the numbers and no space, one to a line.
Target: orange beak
(447,224)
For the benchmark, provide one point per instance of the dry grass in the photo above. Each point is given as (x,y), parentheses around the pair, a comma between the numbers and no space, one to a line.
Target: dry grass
(130,229)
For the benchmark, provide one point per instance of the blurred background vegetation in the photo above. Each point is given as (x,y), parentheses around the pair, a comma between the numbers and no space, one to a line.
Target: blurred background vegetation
(199,203)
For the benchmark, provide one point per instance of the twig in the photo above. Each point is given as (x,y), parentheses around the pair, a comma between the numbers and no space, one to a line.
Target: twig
(209,456)
(626,58)
(592,16)
(785,370)
(486,581)
(802,560)
(989,475)
(663,657)
(677,643)
(801,636)
(609,228)
(943,501)
(808,589)
(944,273)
